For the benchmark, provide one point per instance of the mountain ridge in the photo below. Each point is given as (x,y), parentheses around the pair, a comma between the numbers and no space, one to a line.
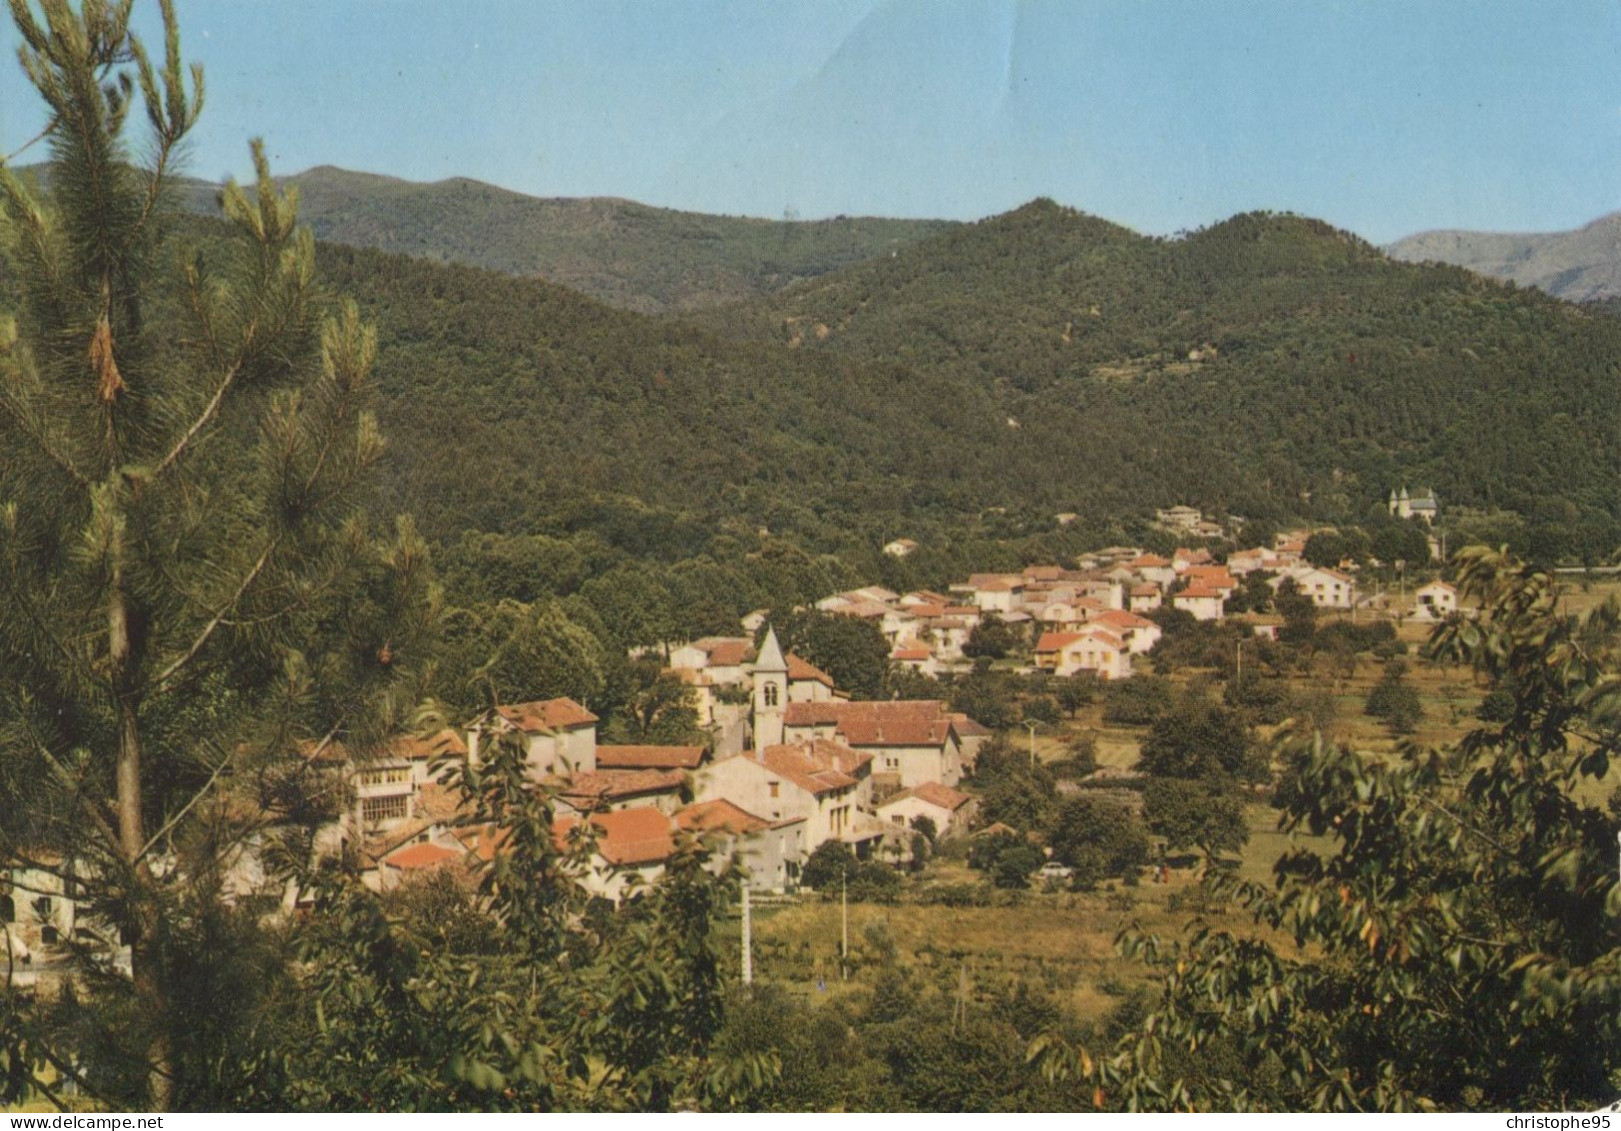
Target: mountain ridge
(1581,264)
(632,255)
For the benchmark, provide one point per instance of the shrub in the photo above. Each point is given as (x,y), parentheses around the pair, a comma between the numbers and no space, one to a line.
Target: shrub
(1098,838)
(1006,860)
(1394,701)
(1198,740)
(1195,814)
(831,861)
(1137,701)
(875,882)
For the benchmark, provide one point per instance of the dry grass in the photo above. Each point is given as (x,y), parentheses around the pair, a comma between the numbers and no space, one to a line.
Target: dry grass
(1064,941)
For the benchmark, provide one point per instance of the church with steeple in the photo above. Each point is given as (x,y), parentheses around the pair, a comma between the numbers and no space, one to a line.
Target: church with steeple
(770,672)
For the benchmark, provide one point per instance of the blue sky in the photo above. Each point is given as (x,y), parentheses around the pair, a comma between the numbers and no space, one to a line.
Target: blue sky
(1385,118)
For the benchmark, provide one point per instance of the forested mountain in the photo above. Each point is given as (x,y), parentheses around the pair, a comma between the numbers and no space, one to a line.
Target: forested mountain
(624,253)
(966,390)
(1267,364)
(1582,265)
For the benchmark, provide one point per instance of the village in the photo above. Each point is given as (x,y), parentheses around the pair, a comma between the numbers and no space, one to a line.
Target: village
(793,761)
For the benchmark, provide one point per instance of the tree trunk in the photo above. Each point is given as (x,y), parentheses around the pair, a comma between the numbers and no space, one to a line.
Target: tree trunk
(141,926)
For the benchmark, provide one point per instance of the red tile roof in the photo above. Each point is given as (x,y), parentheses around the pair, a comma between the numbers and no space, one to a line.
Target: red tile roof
(967,727)
(817,766)
(719,815)
(910,654)
(547,715)
(894,722)
(420,856)
(649,757)
(802,670)
(446,744)
(612,785)
(626,837)
(730,653)
(1056,641)
(942,795)
(1199,591)
(1118,618)
(1102,634)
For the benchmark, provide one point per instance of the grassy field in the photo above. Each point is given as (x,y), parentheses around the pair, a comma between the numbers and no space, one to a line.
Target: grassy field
(1062,941)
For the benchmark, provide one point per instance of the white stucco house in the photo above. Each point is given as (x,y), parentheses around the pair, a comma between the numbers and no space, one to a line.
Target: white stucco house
(1435,601)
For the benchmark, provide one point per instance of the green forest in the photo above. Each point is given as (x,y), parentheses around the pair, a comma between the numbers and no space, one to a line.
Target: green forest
(265,500)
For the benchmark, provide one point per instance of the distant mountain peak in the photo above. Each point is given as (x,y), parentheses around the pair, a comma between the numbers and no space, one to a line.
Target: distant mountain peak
(631,255)
(1581,265)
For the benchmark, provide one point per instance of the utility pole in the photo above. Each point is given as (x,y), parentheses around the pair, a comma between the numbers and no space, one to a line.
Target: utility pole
(959,1008)
(844,933)
(1239,677)
(748,950)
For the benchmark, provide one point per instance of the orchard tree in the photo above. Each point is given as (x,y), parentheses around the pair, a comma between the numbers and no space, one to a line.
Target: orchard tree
(1098,838)
(189,591)
(1195,814)
(1199,740)
(1298,611)
(1394,700)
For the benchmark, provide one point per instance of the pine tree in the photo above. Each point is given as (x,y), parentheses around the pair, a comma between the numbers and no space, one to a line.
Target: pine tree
(188,597)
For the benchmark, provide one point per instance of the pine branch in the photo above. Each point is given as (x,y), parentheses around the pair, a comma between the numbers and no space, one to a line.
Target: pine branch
(62,462)
(50,127)
(159,684)
(101,821)
(204,418)
(20,599)
(173,822)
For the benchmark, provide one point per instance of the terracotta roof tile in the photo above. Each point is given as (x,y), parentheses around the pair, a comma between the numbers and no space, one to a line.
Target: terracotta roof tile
(546,715)
(942,795)
(967,727)
(1102,634)
(804,670)
(730,653)
(719,815)
(612,785)
(626,837)
(649,757)
(817,766)
(1054,641)
(418,857)
(901,722)
(1118,618)
(445,744)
